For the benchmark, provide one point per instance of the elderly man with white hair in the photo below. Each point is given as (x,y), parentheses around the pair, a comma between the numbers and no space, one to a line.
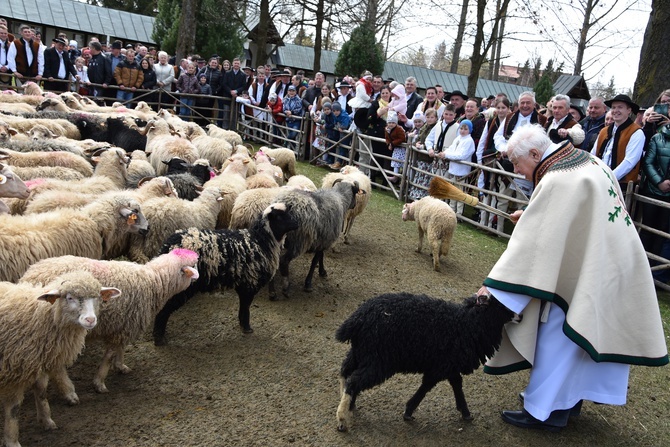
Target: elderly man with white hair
(584,322)
(561,125)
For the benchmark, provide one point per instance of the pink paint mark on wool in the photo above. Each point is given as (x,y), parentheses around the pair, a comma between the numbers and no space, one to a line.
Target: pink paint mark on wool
(31,184)
(212,174)
(183,253)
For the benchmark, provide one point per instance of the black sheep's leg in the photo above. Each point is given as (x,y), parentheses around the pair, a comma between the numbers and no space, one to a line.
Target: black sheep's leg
(360,379)
(161,320)
(310,274)
(456,382)
(283,271)
(322,270)
(427,384)
(244,315)
(348,367)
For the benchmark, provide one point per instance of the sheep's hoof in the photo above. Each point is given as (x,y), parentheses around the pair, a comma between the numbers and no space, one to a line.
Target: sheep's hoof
(308,288)
(408,417)
(123,369)
(323,274)
(100,388)
(247,330)
(72,399)
(342,428)
(467,417)
(273,296)
(160,340)
(49,424)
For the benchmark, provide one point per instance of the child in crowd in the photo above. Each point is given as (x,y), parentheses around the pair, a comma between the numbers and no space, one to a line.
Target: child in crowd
(188,83)
(275,108)
(293,112)
(424,123)
(204,104)
(342,122)
(319,144)
(82,72)
(331,132)
(395,138)
(461,149)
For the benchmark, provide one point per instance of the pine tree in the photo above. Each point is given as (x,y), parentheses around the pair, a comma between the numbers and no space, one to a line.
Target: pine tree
(440,59)
(543,89)
(361,52)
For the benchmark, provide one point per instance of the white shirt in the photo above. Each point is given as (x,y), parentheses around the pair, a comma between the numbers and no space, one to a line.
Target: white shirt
(633,153)
(461,149)
(11,57)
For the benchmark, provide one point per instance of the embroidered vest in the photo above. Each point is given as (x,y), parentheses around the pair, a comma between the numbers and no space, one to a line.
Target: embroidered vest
(21,60)
(621,139)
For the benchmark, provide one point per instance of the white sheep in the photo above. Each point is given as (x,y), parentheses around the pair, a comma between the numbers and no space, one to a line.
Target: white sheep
(61,127)
(139,168)
(43,329)
(231,182)
(351,174)
(230,136)
(216,150)
(435,219)
(90,232)
(32,159)
(146,289)
(162,146)
(11,186)
(167,216)
(282,157)
(57,172)
(110,174)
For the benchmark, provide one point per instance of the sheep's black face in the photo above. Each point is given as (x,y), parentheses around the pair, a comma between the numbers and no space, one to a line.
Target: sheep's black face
(281,220)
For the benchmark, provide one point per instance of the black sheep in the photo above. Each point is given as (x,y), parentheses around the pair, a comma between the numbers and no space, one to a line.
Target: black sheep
(405,333)
(187,178)
(115,132)
(244,260)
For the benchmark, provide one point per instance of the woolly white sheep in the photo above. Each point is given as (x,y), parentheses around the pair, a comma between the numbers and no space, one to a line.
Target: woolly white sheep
(57,172)
(435,219)
(32,159)
(139,168)
(167,216)
(231,182)
(145,288)
(216,150)
(43,329)
(163,146)
(282,157)
(230,136)
(11,184)
(88,232)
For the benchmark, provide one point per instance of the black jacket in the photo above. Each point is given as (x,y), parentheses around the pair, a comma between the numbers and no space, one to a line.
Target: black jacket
(233,81)
(52,64)
(100,69)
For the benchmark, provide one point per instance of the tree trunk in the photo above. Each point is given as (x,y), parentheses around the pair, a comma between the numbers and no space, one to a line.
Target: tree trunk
(581,46)
(479,47)
(261,37)
(494,48)
(317,35)
(498,44)
(654,70)
(459,38)
(187,27)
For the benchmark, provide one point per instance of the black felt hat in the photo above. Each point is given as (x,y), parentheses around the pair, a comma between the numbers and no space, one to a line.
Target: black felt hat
(623,98)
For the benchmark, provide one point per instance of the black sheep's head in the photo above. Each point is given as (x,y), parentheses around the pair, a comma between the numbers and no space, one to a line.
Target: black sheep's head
(280,220)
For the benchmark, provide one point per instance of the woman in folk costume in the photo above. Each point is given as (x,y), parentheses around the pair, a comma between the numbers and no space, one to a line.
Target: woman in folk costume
(585,319)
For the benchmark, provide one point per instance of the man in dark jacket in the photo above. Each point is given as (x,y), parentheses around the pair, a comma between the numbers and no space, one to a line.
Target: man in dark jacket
(57,65)
(99,69)
(593,123)
(233,84)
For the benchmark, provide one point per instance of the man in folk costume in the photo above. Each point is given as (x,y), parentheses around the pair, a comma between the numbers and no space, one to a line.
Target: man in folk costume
(584,322)
(25,57)
(620,144)
(258,94)
(57,65)
(5,40)
(561,125)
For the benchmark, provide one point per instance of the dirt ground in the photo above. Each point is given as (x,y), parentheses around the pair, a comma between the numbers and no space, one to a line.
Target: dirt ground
(214,386)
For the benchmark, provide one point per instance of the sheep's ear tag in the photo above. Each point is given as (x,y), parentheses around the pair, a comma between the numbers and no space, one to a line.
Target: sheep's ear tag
(3,179)
(51,296)
(132,219)
(107,293)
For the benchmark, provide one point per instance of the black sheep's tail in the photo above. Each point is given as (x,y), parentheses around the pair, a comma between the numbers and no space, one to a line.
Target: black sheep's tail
(347,330)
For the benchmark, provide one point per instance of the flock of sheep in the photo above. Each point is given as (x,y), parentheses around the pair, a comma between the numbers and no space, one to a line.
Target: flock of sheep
(82,185)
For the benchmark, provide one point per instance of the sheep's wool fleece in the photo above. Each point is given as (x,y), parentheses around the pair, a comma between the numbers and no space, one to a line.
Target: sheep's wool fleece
(576,246)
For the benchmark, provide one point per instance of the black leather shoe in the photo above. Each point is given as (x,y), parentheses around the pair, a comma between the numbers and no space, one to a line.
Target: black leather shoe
(524,420)
(574,411)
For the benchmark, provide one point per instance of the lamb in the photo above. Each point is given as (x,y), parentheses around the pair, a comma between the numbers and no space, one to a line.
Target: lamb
(320,215)
(146,289)
(230,136)
(32,159)
(168,215)
(88,232)
(435,219)
(216,150)
(404,333)
(351,174)
(244,260)
(282,157)
(43,330)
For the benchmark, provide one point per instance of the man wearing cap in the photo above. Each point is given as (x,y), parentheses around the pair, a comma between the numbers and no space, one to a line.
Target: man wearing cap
(457,98)
(593,123)
(561,125)
(57,65)
(280,86)
(25,57)
(620,144)
(249,76)
(344,95)
(413,98)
